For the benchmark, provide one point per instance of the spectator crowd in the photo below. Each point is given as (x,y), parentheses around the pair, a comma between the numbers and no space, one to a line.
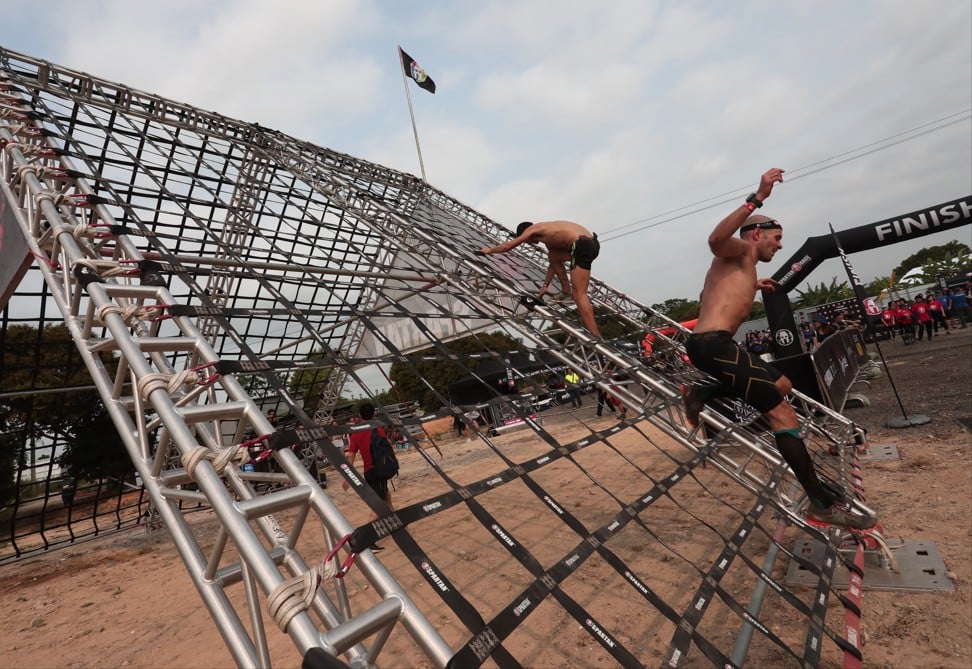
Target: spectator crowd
(927,315)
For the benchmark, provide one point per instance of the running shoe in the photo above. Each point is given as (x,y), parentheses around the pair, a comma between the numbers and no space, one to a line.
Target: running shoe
(835,515)
(693,401)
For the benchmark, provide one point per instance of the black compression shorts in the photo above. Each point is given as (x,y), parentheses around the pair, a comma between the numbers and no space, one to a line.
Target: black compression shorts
(583,252)
(751,378)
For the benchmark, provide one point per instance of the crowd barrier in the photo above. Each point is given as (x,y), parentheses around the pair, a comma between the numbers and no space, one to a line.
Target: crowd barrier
(828,373)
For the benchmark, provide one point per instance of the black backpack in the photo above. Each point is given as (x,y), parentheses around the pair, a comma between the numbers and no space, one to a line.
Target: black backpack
(384,464)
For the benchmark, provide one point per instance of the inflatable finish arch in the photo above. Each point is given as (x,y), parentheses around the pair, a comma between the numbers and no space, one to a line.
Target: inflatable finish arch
(779,310)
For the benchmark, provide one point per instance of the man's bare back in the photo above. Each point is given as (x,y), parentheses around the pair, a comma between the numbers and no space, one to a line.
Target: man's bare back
(557,235)
(565,241)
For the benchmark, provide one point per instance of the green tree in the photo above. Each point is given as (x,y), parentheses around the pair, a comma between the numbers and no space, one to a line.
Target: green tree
(611,326)
(255,385)
(879,285)
(942,268)
(95,449)
(758,310)
(434,374)
(311,382)
(11,444)
(35,361)
(388,397)
(931,254)
(823,294)
(678,308)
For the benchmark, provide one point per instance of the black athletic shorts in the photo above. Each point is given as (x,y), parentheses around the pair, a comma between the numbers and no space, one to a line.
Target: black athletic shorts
(750,377)
(380,486)
(583,251)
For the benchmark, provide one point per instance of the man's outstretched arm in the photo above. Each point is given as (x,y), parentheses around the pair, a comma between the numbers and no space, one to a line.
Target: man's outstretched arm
(506,246)
(723,242)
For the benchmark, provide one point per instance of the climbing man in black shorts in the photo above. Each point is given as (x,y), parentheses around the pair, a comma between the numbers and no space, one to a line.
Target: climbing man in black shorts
(727,297)
(565,241)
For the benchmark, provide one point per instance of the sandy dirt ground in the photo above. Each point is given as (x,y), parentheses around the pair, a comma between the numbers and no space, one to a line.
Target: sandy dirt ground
(127,601)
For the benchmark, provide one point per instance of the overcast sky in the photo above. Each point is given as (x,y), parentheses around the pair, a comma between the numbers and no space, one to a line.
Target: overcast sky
(607,113)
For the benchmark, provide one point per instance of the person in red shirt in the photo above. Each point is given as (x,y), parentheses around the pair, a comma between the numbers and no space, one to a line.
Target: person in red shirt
(360,442)
(887,319)
(902,314)
(648,345)
(937,311)
(920,310)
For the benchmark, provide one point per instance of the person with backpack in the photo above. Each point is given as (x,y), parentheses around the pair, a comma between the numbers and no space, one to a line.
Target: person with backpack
(374,447)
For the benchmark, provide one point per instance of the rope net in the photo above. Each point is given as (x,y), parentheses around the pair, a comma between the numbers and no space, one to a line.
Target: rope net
(208,270)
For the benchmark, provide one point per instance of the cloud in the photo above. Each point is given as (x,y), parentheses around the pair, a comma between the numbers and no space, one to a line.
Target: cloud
(283,65)
(606,113)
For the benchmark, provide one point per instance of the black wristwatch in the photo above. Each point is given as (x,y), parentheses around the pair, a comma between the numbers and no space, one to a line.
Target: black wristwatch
(755,201)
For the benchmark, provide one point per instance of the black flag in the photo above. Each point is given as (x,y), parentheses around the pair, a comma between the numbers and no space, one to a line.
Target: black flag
(867,306)
(414,71)
(869,309)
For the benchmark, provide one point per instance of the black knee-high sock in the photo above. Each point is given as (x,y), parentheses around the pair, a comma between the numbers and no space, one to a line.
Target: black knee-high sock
(794,451)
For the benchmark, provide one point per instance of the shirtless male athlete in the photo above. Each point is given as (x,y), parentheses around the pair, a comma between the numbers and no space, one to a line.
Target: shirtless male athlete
(565,240)
(727,297)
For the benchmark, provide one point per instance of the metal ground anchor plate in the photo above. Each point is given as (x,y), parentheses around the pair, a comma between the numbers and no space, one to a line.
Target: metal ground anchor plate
(878,452)
(922,569)
(898,422)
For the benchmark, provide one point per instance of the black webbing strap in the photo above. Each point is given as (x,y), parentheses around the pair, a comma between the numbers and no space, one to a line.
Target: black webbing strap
(545,583)
(264,312)
(733,604)
(506,621)
(597,630)
(686,630)
(521,606)
(817,611)
(812,647)
(817,626)
(852,620)
(452,598)
(459,605)
(368,534)
(679,650)
(321,439)
(433,505)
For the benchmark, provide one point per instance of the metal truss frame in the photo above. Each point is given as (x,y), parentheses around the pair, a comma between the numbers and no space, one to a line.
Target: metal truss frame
(82,214)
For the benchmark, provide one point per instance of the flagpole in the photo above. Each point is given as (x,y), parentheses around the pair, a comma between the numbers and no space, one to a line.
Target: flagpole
(904,420)
(411,113)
